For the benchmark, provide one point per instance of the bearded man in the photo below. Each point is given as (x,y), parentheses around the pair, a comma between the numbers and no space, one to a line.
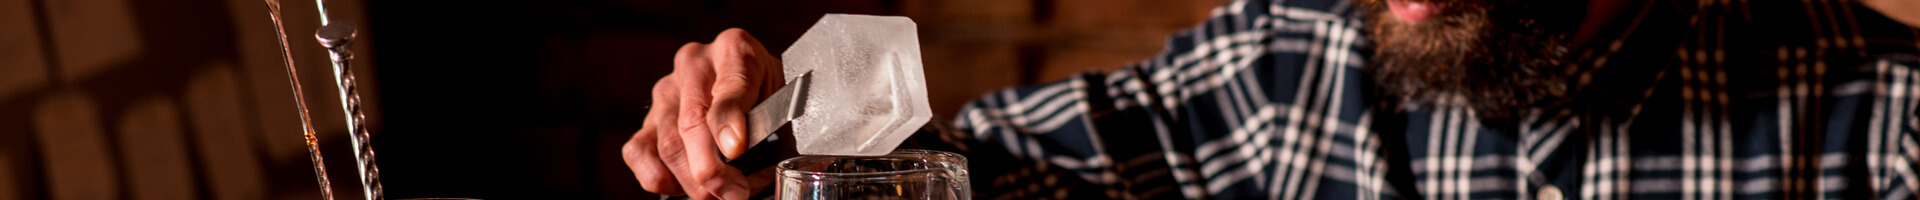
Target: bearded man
(1413,99)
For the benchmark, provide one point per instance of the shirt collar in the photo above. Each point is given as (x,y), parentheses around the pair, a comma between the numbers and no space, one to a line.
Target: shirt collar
(1619,67)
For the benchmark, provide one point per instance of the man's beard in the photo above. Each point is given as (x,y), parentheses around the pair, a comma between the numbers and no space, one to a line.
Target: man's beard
(1498,57)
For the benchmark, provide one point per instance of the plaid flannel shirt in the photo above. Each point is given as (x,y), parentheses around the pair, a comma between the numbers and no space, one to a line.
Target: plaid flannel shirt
(1677,100)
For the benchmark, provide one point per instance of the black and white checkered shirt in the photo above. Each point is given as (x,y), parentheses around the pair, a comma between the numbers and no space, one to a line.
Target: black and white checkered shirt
(1682,99)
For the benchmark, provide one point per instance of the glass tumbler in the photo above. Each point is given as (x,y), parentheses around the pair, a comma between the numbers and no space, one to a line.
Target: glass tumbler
(904,174)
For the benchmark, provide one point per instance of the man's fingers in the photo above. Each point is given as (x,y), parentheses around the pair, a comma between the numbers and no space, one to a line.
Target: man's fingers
(695,132)
(714,85)
(737,77)
(731,101)
(642,152)
(673,154)
(770,66)
(774,75)
(689,55)
(727,183)
(671,150)
(701,155)
(642,158)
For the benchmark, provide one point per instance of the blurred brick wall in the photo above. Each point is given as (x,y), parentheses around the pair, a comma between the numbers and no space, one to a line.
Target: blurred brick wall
(178,99)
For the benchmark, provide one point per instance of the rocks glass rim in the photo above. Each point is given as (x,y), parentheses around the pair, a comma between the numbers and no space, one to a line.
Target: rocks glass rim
(939,162)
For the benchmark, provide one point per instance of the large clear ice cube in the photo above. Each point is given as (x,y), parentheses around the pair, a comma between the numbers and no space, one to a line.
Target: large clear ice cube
(867,92)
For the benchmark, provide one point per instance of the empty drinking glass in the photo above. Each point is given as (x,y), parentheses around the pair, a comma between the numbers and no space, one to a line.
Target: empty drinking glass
(904,174)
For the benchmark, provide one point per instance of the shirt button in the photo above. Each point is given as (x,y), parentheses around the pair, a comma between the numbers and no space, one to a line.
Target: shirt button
(1548,192)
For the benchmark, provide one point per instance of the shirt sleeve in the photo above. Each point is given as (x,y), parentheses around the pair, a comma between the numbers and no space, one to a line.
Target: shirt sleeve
(1134,133)
(1087,136)
(1892,153)
(1886,138)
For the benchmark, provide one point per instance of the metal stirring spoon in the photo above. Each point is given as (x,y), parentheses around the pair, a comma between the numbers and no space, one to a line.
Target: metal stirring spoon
(336,37)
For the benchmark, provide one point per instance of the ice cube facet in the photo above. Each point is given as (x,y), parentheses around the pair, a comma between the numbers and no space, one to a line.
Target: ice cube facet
(867,92)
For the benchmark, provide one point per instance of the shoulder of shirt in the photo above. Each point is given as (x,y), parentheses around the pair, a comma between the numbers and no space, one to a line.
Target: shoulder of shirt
(1298,10)
(1262,21)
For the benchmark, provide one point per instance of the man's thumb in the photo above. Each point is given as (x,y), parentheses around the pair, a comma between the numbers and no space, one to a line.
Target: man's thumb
(733,97)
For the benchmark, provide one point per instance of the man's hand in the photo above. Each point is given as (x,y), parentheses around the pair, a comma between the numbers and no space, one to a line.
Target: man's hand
(699,113)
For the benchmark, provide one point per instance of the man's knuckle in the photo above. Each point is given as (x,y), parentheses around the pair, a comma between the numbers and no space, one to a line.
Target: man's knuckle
(693,109)
(630,151)
(669,154)
(650,186)
(731,35)
(730,81)
(663,88)
(687,53)
(691,126)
